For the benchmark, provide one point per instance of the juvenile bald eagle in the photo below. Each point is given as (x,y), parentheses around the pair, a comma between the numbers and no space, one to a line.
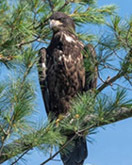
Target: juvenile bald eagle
(64,77)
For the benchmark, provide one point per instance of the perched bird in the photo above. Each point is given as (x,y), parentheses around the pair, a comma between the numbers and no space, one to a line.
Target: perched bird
(62,77)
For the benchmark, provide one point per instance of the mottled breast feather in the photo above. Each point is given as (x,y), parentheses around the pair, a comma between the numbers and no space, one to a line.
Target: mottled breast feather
(65,70)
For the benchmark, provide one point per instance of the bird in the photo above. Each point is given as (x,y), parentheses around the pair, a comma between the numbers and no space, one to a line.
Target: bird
(62,76)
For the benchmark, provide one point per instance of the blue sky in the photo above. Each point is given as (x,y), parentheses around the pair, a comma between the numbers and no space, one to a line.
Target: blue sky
(111,145)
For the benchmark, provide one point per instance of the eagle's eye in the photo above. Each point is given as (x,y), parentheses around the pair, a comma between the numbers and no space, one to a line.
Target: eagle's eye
(60,19)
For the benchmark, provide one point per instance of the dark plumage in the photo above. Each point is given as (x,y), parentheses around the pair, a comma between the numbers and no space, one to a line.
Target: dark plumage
(65,74)
(67,22)
(64,78)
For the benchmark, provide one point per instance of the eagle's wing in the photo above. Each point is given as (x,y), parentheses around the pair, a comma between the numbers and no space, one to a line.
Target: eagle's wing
(91,69)
(43,60)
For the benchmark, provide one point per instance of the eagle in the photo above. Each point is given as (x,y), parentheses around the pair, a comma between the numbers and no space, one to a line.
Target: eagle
(63,76)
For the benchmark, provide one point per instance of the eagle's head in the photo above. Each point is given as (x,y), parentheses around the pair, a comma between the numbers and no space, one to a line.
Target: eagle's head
(61,21)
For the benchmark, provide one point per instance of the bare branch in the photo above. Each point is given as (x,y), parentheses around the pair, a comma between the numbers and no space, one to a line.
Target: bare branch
(128,79)
(127,36)
(109,67)
(113,79)
(124,87)
(28,42)
(100,78)
(19,158)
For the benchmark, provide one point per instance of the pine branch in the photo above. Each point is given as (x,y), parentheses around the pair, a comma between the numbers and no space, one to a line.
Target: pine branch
(5,59)
(117,115)
(50,158)
(113,79)
(45,22)
(51,6)
(65,4)
(19,157)
(28,42)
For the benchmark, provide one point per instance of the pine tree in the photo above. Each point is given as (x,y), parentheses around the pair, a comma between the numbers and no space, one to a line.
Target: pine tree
(23,30)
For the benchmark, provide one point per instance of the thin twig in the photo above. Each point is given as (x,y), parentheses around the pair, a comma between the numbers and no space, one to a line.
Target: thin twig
(113,79)
(20,157)
(34,12)
(50,158)
(28,42)
(128,79)
(100,78)
(9,128)
(120,39)
(117,35)
(109,67)
(45,22)
(51,6)
(114,51)
(128,35)
(122,86)
(65,4)
(2,129)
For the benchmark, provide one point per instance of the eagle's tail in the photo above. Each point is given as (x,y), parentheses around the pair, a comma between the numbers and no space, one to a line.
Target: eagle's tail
(76,152)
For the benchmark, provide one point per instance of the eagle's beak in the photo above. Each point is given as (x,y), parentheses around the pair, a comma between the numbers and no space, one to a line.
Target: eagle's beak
(54,23)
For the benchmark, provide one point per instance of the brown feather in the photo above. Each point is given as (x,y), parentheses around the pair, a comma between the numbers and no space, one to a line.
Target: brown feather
(65,71)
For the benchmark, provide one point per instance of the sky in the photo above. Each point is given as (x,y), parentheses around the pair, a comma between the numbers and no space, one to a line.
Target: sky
(112,144)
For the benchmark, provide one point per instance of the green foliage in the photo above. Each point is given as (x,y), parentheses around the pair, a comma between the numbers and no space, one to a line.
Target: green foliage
(122,31)
(82,106)
(92,14)
(87,37)
(16,104)
(15,28)
(43,139)
(106,106)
